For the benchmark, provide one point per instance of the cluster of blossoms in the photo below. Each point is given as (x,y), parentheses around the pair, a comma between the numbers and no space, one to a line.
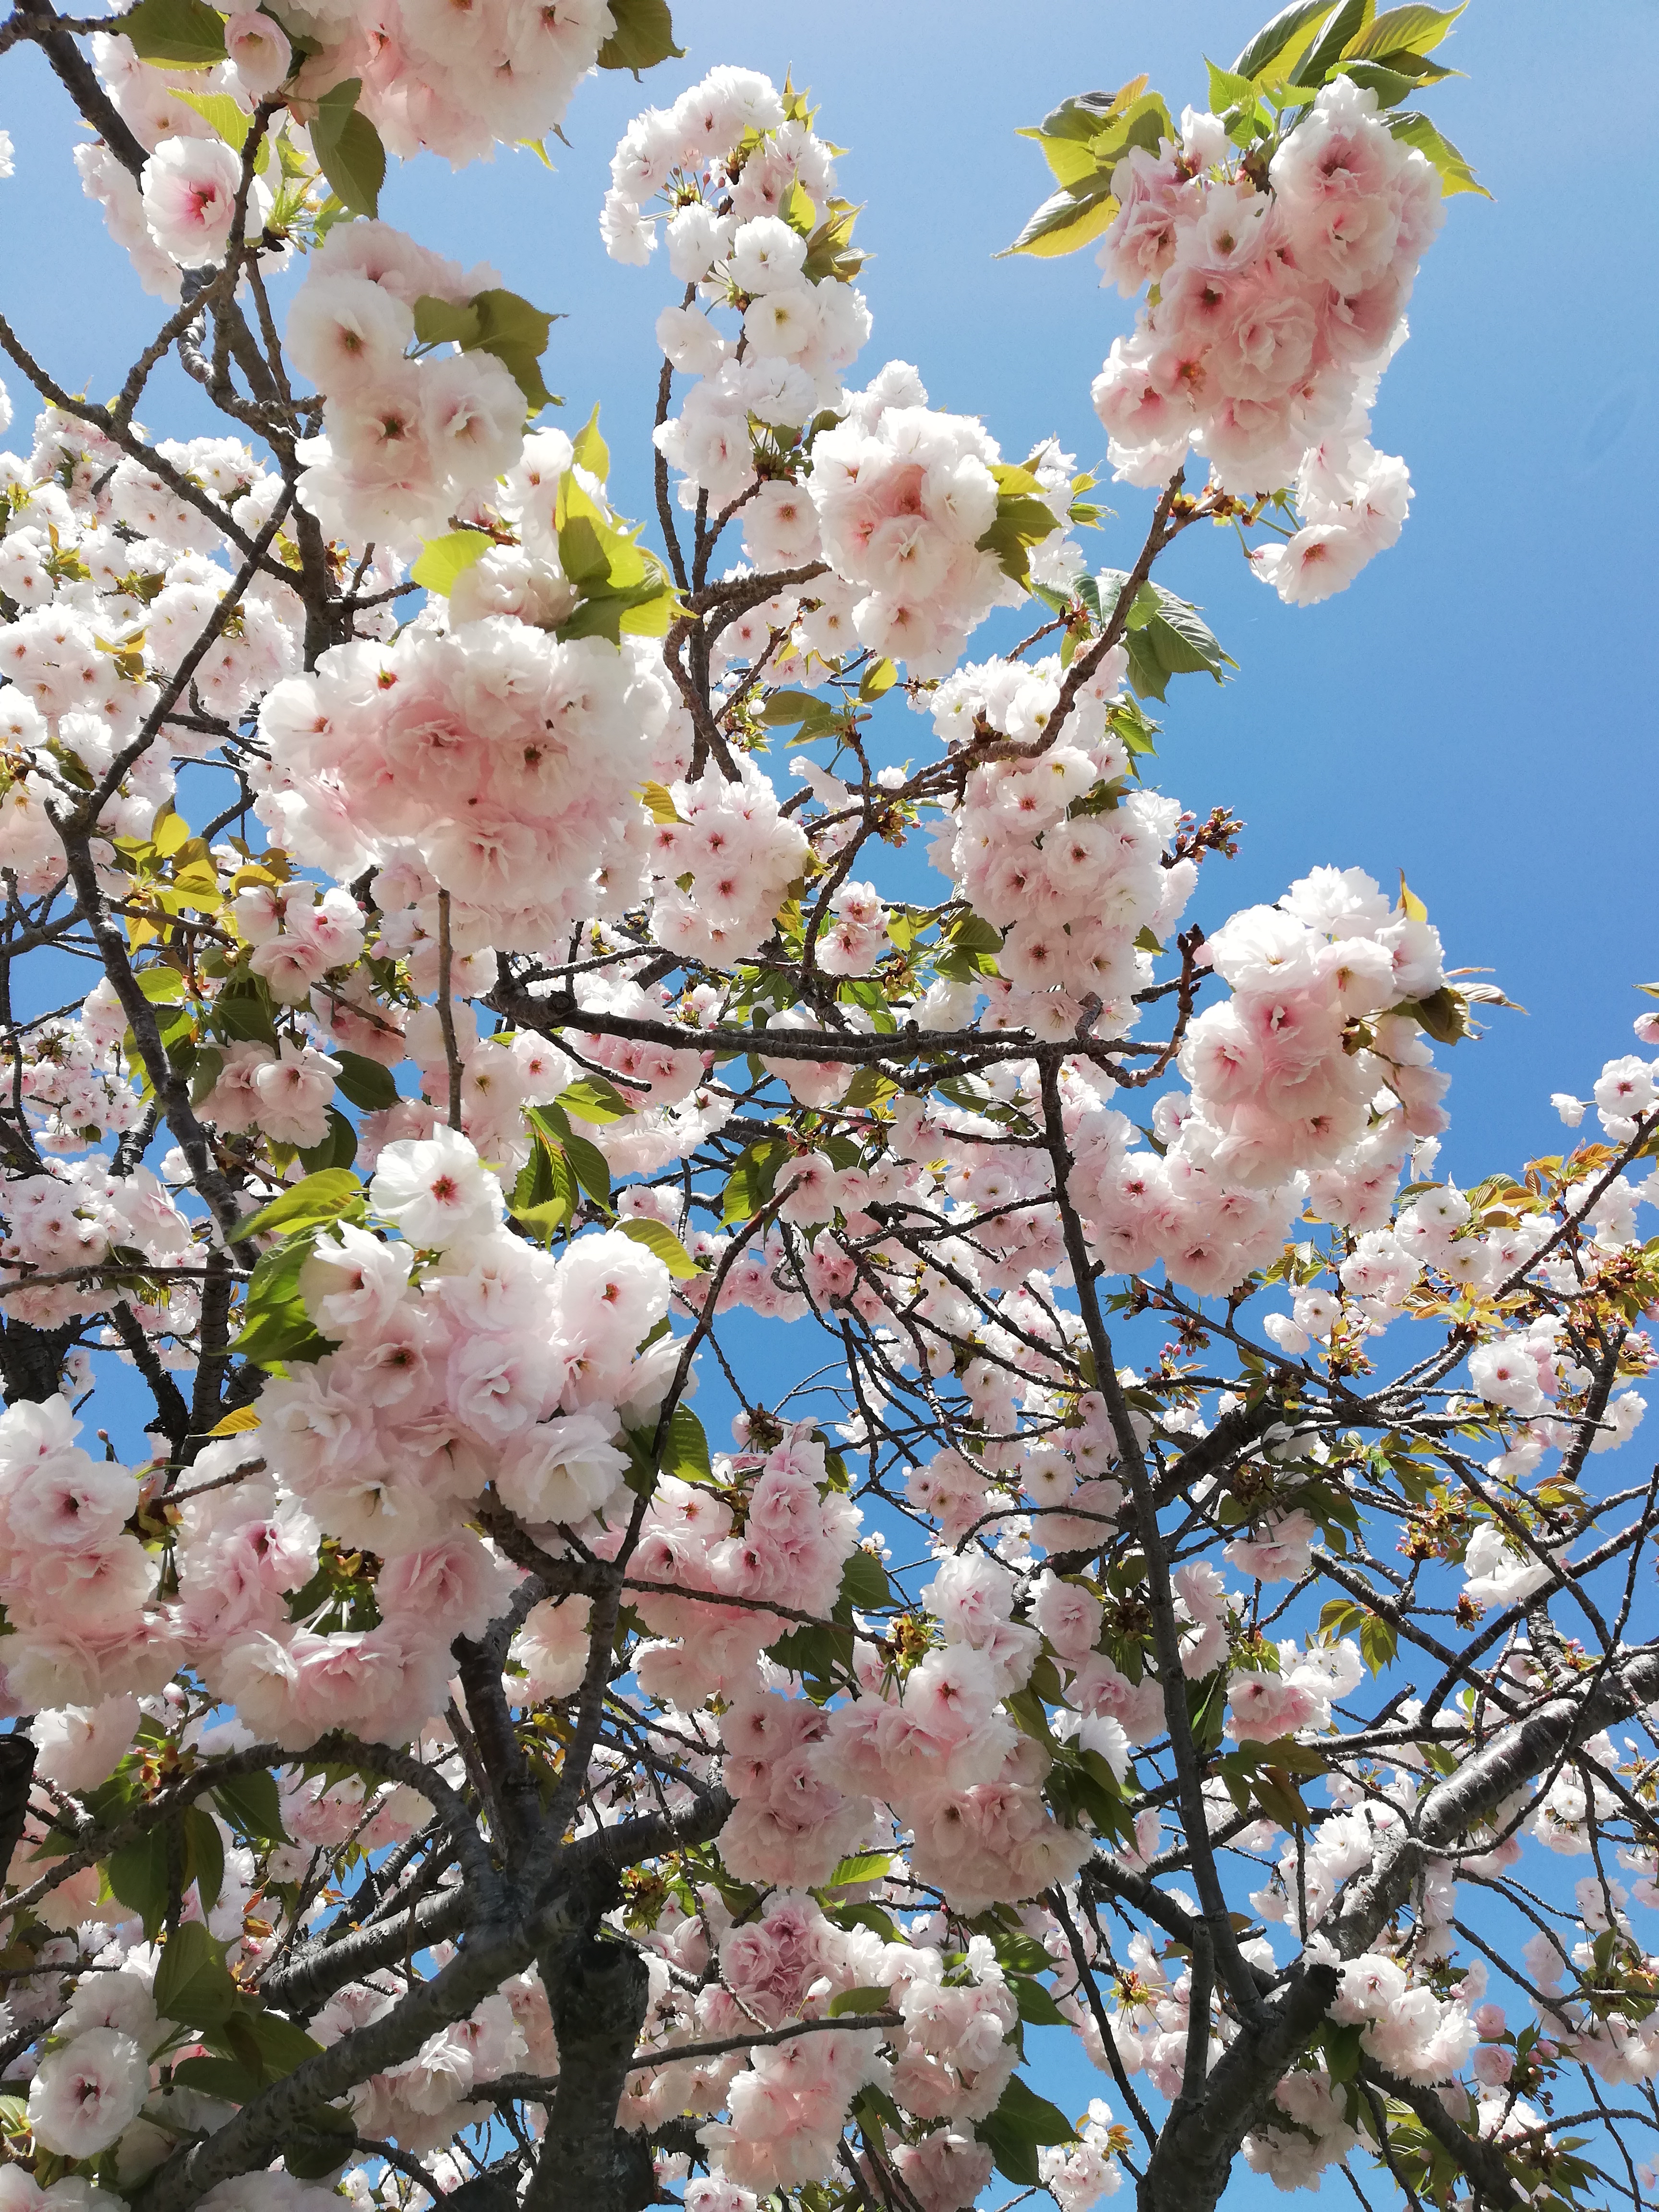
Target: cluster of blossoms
(505,78)
(902,495)
(1052,851)
(745,185)
(773,1531)
(723,864)
(407,443)
(111,572)
(952,2055)
(1279,304)
(491,1366)
(75,1216)
(488,760)
(77,1585)
(1284,1075)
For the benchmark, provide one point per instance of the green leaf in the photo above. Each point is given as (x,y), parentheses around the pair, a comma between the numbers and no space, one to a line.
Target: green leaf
(281,1336)
(1021,2121)
(1037,2006)
(337,1149)
(1280,1798)
(162,986)
(138,1877)
(320,2160)
(283,2043)
(1083,140)
(1455,174)
(753,1179)
(251,1804)
(590,450)
(242,1010)
(348,148)
(169,832)
(365,1083)
(868,1088)
(448,322)
(191,1984)
(1389,84)
(1068,219)
(1443,1015)
(862,1866)
(516,333)
(784,707)
(174,31)
(643,37)
(871,1997)
(587,1161)
(588,1164)
(1228,89)
(443,559)
(1378,1642)
(829,251)
(318,1199)
(1207,1708)
(657,1236)
(546,1194)
(219,2077)
(1337,1616)
(878,677)
(1023,519)
(591,1098)
(1347,24)
(864,1582)
(1086,115)
(1169,642)
(685,1448)
(1415,30)
(1281,41)
(221,111)
(207,1855)
(1343,2049)
(658,802)
(819,1653)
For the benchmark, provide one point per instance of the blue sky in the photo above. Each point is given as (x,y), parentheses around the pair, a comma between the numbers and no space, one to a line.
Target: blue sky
(1475,710)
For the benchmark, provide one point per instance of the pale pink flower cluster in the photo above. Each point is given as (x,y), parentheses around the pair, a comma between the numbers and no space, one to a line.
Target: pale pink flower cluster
(1406,2027)
(1274,1087)
(788,2108)
(500,762)
(425,2101)
(504,77)
(1313,2134)
(1278,309)
(407,442)
(1298,1695)
(87,2092)
(1071,869)
(1081,2175)
(939,1749)
(77,1585)
(73,1217)
(188,190)
(485,1363)
(796,1536)
(903,494)
(112,573)
(725,866)
(734,175)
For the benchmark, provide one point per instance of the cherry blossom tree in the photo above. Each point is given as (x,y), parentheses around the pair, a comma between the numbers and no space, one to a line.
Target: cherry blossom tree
(1165,1588)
